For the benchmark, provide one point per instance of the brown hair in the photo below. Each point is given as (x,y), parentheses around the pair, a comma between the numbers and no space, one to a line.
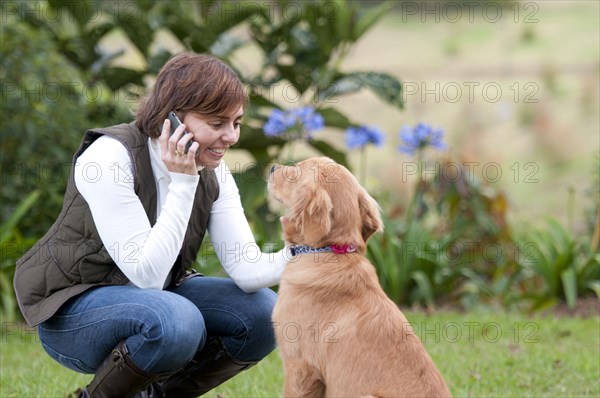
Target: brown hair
(191,82)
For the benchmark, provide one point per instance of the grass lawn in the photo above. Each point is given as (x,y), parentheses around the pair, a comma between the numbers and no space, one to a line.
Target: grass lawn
(479,354)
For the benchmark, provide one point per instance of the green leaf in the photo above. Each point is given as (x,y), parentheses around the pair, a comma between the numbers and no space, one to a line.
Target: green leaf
(156,61)
(569,282)
(97,31)
(226,44)
(398,273)
(540,263)
(260,100)
(595,287)
(178,20)
(425,289)
(341,17)
(249,179)
(231,14)
(329,151)
(334,118)
(543,302)
(105,60)
(298,74)
(385,86)
(375,251)
(8,301)
(369,17)
(118,77)
(329,22)
(136,26)
(590,269)
(207,9)
(383,249)
(15,217)
(252,138)
(81,10)
(375,254)
(559,231)
(337,88)
(477,280)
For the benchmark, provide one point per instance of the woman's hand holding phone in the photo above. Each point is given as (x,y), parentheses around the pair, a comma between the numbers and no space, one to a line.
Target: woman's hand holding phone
(173,149)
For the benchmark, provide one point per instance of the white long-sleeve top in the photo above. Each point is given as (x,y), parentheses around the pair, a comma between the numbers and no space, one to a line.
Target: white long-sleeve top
(145,253)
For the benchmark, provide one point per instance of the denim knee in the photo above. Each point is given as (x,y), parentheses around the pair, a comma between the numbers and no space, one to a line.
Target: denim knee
(260,336)
(172,332)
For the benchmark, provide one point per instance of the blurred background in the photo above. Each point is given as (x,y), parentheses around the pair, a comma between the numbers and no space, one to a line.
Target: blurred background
(514,85)
(518,87)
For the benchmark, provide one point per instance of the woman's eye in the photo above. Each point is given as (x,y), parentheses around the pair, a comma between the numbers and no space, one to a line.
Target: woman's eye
(216,125)
(237,125)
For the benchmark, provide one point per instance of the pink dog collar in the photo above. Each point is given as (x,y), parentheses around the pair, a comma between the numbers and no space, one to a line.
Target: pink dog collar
(342,249)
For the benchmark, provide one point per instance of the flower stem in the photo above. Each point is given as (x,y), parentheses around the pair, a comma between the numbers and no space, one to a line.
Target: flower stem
(290,155)
(363,166)
(410,212)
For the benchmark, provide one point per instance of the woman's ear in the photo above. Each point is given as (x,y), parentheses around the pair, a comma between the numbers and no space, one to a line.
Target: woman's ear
(312,213)
(369,210)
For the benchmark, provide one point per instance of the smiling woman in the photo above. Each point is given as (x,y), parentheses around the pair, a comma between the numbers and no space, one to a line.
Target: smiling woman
(109,286)
(191,83)
(214,135)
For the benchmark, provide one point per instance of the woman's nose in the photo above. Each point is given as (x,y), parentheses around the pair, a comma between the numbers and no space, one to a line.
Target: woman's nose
(231,136)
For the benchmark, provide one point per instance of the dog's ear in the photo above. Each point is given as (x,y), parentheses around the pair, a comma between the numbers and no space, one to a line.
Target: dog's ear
(312,213)
(369,210)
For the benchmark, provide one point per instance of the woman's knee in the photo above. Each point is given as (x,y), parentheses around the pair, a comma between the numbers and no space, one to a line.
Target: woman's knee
(171,334)
(262,308)
(260,337)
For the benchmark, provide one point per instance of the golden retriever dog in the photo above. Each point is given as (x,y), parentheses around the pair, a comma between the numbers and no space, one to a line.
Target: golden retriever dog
(338,333)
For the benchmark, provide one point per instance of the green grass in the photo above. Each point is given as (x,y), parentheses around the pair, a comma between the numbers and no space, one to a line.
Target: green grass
(479,354)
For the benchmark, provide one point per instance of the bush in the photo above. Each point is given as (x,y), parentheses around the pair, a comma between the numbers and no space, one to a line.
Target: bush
(557,267)
(437,249)
(44,113)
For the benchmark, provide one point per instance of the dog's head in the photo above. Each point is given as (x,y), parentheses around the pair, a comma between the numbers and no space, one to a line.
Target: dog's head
(325,204)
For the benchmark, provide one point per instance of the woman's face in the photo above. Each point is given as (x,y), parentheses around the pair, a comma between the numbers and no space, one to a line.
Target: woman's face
(214,134)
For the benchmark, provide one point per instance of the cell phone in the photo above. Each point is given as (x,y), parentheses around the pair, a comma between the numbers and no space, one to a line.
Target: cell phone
(175,122)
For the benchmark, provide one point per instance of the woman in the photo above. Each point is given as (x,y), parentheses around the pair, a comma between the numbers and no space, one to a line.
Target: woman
(109,285)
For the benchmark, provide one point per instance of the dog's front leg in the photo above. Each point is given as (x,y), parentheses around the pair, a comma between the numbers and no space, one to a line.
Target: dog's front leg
(303,380)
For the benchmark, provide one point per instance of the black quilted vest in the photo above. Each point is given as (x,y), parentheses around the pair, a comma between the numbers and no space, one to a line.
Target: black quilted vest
(70,258)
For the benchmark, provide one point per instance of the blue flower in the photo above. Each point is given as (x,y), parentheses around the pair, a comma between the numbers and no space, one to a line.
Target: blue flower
(277,123)
(311,120)
(420,137)
(293,124)
(359,137)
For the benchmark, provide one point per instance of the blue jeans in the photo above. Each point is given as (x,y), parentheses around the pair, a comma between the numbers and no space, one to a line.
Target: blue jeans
(162,329)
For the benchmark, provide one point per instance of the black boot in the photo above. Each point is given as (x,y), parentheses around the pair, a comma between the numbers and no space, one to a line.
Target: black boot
(209,368)
(117,377)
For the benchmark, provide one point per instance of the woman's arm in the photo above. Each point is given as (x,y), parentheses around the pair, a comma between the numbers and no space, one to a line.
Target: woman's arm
(145,254)
(234,242)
